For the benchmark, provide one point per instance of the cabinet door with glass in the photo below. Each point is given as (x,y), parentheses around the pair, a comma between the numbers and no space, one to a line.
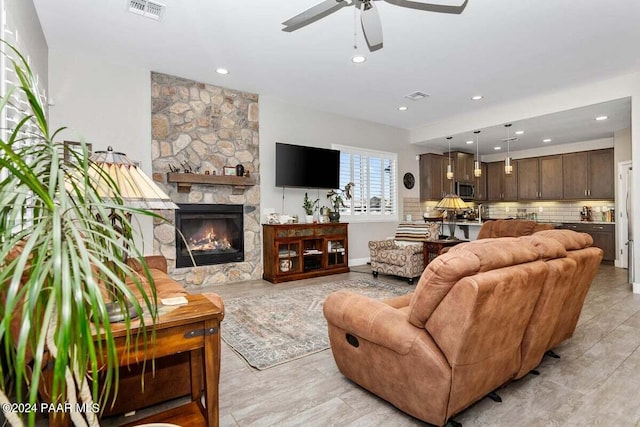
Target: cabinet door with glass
(288,257)
(336,252)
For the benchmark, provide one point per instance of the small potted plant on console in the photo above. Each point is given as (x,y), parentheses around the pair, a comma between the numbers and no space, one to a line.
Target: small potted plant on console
(309,207)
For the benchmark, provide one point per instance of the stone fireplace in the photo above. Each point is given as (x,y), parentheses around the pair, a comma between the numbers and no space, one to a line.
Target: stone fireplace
(205,128)
(213,233)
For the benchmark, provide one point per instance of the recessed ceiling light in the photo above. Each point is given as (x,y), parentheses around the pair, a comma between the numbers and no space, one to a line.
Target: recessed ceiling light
(470,142)
(403,108)
(519,132)
(477,97)
(358,59)
(497,148)
(546,140)
(600,118)
(222,71)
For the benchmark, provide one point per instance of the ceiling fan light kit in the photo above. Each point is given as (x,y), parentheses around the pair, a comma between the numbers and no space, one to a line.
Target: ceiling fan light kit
(369,16)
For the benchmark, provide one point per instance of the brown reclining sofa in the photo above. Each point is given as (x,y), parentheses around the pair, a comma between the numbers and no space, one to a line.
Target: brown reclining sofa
(482,315)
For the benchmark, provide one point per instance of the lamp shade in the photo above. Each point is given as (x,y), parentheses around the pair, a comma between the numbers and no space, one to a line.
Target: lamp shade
(451,202)
(137,190)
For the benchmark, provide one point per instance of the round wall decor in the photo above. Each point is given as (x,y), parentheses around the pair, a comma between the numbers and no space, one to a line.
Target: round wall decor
(409,180)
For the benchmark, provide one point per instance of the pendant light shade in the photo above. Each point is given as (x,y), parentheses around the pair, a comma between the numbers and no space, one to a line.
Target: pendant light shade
(477,168)
(449,169)
(508,169)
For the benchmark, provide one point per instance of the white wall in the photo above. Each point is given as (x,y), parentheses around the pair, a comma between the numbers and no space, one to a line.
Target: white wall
(282,122)
(105,104)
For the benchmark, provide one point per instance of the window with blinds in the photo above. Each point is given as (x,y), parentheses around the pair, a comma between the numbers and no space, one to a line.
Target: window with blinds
(17,105)
(374,178)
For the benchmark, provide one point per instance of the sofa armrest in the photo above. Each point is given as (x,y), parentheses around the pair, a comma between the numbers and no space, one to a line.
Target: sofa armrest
(157,262)
(371,320)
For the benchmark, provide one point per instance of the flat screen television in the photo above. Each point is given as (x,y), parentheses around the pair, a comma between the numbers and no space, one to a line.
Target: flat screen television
(307,167)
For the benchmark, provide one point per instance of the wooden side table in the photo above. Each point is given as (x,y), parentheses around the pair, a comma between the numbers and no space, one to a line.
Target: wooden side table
(193,328)
(431,248)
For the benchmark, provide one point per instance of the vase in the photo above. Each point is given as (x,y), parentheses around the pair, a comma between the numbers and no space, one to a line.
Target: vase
(308,219)
(334,216)
(239,170)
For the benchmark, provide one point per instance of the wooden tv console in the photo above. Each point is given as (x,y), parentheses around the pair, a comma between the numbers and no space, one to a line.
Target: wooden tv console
(300,251)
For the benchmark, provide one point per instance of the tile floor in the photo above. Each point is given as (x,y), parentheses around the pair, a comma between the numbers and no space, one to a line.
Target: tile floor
(596,381)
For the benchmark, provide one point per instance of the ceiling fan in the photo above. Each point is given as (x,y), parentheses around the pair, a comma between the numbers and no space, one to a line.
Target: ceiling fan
(369,17)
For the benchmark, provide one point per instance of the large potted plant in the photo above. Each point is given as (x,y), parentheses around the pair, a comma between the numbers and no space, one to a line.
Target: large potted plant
(57,252)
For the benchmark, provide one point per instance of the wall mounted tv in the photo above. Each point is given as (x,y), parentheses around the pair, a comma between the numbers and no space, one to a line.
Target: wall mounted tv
(307,167)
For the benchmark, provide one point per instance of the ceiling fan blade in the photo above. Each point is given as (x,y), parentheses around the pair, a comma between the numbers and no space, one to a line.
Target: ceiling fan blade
(371,25)
(313,14)
(441,8)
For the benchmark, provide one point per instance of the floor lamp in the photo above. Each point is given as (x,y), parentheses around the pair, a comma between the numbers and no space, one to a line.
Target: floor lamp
(137,190)
(451,203)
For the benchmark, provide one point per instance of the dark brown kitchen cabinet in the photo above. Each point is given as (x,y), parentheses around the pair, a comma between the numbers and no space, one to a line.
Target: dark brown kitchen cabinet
(463,166)
(603,236)
(588,175)
(434,184)
(540,178)
(481,184)
(500,186)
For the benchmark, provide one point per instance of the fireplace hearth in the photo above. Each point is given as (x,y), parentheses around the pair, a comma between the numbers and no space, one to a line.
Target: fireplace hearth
(213,233)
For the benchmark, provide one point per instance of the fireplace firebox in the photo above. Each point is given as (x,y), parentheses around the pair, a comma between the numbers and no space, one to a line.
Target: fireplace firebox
(213,233)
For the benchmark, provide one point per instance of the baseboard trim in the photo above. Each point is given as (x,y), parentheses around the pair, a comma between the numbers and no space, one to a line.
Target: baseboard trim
(636,288)
(358,261)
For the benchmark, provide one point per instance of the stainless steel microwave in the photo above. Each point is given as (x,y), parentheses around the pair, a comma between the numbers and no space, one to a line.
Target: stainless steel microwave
(465,190)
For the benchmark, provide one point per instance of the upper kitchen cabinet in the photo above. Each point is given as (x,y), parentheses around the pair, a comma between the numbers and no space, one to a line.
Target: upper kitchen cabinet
(589,175)
(432,176)
(540,178)
(481,184)
(500,186)
(463,166)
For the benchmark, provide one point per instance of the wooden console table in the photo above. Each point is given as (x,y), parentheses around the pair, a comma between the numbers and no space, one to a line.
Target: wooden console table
(301,251)
(432,248)
(193,328)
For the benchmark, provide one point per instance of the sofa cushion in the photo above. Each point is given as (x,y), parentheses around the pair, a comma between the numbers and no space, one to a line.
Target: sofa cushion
(570,239)
(464,260)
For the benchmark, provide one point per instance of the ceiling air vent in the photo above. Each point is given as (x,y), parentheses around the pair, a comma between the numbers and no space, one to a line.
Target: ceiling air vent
(512,139)
(416,96)
(149,9)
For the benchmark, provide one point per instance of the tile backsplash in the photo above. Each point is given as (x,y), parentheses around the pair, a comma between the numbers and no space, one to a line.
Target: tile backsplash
(544,211)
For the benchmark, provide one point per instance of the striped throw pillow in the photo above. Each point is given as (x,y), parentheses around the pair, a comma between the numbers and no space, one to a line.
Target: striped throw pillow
(417,232)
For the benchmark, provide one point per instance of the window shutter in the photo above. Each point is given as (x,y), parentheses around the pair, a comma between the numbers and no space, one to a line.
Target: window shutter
(373,174)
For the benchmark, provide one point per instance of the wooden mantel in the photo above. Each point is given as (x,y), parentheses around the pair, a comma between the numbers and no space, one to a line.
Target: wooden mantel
(184,181)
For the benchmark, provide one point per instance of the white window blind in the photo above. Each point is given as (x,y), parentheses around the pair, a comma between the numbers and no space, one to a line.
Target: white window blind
(18,104)
(374,177)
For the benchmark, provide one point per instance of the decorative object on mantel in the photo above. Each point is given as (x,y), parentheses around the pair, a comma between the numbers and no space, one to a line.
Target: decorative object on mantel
(229,171)
(450,204)
(186,180)
(239,170)
(337,198)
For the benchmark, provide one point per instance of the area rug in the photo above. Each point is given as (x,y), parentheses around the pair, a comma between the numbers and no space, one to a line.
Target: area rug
(285,325)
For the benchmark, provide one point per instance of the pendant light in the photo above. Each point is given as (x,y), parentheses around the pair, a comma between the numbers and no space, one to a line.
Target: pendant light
(508,169)
(449,170)
(477,169)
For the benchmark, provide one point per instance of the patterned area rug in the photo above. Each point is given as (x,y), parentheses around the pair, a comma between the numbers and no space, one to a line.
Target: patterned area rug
(285,325)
